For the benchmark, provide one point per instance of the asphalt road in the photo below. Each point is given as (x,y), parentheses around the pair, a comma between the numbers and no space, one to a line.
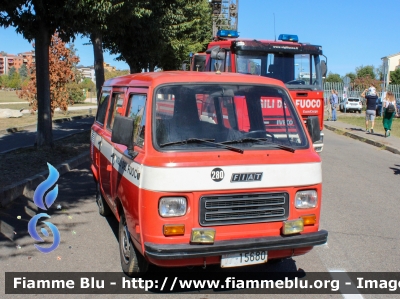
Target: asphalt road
(359,210)
(27,137)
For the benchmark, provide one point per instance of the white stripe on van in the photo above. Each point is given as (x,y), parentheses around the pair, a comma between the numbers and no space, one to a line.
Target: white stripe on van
(183,179)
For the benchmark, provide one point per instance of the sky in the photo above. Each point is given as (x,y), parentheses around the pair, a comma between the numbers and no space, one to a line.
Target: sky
(352,33)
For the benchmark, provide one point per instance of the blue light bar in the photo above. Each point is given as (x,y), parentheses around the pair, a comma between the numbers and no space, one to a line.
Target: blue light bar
(288,38)
(227,33)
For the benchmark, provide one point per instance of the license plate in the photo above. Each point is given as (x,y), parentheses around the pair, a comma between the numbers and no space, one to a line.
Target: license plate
(243,259)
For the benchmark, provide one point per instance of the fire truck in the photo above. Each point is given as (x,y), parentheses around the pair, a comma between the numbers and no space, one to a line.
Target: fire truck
(301,66)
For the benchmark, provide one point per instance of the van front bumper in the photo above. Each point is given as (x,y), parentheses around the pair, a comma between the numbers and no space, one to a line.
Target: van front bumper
(185,251)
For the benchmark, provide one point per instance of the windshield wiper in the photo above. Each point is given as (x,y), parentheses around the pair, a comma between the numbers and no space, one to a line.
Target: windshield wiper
(207,141)
(251,139)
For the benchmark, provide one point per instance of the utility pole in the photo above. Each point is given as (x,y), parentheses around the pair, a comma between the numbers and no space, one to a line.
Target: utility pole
(225,15)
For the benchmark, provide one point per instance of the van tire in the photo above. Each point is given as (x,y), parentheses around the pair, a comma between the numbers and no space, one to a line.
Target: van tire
(104,209)
(131,260)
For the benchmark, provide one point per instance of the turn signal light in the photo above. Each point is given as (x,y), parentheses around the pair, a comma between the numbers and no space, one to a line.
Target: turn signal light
(309,219)
(174,229)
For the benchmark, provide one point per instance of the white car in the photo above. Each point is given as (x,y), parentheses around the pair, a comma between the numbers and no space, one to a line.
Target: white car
(350,105)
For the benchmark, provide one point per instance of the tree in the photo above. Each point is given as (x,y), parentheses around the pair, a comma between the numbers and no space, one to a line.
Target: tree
(117,73)
(4,81)
(61,73)
(166,31)
(364,71)
(11,71)
(23,71)
(395,77)
(93,23)
(87,84)
(333,78)
(366,81)
(38,20)
(14,80)
(352,76)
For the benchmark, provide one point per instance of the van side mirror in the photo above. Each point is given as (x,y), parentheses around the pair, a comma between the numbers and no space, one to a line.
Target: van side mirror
(217,53)
(313,128)
(122,133)
(324,68)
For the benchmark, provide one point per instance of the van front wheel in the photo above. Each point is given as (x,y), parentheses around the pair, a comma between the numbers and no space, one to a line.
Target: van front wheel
(131,260)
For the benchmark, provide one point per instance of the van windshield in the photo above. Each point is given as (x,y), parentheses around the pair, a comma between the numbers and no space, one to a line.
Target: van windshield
(243,116)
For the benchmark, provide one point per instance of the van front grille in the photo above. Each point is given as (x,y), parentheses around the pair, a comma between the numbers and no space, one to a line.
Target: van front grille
(243,208)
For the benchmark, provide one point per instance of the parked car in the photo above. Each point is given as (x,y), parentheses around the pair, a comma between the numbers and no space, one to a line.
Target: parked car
(378,107)
(350,105)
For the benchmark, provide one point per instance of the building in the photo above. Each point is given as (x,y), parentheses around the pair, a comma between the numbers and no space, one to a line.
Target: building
(87,72)
(390,64)
(7,61)
(108,67)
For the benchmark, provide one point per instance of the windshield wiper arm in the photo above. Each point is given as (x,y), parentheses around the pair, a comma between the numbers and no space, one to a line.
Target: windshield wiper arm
(208,141)
(248,139)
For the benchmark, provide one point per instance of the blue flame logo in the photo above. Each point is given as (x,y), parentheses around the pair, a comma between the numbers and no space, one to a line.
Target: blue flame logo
(44,201)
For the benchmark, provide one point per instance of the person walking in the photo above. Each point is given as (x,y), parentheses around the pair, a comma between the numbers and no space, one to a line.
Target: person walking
(371,97)
(334,102)
(328,108)
(389,111)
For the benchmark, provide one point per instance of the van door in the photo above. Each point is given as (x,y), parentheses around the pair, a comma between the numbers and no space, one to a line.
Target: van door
(106,149)
(128,166)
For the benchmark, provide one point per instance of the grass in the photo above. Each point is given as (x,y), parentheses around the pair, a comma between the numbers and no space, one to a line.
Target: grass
(29,119)
(378,127)
(9,96)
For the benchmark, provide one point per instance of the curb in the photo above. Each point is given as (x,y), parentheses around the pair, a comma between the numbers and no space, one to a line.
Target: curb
(27,186)
(363,139)
(60,120)
(55,139)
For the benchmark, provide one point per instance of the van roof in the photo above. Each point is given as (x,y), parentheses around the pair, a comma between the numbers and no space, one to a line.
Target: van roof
(157,78)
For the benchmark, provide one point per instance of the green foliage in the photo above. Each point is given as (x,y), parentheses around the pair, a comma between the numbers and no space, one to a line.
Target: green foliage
(11,72)
(76,94)
(395,77)
(117,73)
(333,78)
(364,71)
(4,81)
(23,71)
(166,31)
(352,76)
(14,80)
(87,84)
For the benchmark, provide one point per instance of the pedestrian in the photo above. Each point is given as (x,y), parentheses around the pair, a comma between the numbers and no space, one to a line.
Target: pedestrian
(334,102)
(370,113)
(328,108)
(389,111)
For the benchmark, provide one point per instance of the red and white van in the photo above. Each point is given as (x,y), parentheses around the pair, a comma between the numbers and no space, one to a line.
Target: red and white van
(206,168)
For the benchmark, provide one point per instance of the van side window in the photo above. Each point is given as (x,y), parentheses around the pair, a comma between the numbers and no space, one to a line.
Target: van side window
(103,104)
(116,103)
(137,111)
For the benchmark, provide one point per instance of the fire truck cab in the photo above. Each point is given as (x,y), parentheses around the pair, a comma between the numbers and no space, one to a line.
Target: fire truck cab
(196,176)
(296,64)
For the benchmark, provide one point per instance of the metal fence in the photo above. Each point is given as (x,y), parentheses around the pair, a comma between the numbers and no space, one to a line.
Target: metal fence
(354,91)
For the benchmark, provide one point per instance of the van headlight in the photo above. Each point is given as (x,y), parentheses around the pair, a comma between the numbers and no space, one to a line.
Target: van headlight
(306,199)
(172,206)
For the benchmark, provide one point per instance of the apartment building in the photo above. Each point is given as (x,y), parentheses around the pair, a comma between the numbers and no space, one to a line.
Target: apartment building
(391,63)
(7,61)
(87,72)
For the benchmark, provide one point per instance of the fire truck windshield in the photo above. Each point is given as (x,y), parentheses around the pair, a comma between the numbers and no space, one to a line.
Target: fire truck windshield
(297,71)
(246,116)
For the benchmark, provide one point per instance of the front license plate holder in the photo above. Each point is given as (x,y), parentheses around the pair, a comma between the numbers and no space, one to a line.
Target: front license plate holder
(243,259)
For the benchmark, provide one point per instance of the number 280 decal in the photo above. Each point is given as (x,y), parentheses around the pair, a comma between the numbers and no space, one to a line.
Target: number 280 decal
(217,174)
